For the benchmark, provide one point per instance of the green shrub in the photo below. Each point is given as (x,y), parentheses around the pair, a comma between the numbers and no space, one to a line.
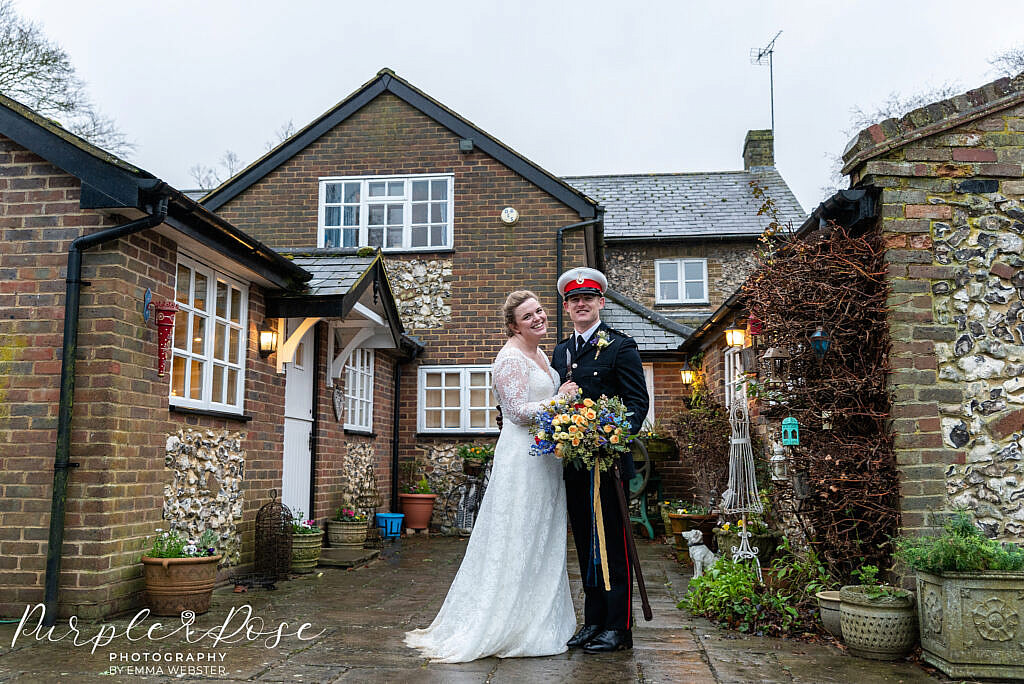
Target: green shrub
(960,548)
(730,594)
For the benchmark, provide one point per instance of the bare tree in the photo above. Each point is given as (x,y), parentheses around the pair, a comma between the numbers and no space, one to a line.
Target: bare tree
(209,177)
(1009,62)
(38,73)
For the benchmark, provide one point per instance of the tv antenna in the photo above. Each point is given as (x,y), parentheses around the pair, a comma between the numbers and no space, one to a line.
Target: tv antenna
(759,56)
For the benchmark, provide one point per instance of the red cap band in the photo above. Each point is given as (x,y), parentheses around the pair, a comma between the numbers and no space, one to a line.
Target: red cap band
(577,284)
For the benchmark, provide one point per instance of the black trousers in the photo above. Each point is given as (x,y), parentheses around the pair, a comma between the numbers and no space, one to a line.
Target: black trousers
(610,609)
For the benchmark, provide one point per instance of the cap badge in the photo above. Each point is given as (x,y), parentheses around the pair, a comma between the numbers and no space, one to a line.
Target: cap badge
(579,279)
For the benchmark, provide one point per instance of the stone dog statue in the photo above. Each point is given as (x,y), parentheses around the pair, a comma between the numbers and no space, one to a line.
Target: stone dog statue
(699,553)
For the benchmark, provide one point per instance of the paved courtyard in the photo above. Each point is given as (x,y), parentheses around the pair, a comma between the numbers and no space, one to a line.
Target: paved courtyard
(357,620)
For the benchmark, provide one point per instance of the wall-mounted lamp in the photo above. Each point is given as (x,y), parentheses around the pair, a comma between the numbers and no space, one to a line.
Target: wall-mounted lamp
(268,341)
(686,374)
(735,336)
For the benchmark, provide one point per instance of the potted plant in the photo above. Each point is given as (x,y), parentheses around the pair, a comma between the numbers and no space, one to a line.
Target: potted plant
(692,516)
(417,503)
(347,529)
(970,595)
(763,538)
(307,541)
(180,573)
(475,457)
(879,621)
(660,447)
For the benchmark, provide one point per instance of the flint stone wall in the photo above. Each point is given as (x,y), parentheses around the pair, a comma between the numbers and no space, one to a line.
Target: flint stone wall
(359,489)
(205,492)
(422,289)
(952,218)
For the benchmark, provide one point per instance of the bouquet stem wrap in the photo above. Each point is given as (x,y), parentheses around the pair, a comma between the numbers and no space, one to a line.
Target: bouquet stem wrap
(598,522)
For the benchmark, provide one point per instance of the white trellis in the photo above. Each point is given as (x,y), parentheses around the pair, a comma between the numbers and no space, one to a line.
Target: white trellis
(742,496)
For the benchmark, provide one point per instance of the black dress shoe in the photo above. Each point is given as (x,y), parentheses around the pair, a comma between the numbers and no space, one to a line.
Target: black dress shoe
(583,635)
(610,640)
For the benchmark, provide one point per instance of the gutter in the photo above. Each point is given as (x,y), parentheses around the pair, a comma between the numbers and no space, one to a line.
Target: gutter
(61,464)
(559,242)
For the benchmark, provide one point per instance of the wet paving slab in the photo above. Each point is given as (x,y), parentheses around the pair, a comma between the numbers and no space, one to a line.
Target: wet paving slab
(358,617)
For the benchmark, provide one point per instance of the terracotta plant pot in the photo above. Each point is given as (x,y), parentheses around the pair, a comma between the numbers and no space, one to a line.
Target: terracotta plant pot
(877,629)
(178,584)
(828,608)
(306,552)
(684,522)
(418,509)
(346,533)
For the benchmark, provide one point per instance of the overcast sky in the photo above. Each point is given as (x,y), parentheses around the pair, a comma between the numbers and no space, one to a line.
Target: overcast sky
(583,87)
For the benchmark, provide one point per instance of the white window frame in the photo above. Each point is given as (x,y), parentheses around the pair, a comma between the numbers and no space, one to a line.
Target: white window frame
(407,215)
(464,398)
(208,360)
(359,390)
(681,281)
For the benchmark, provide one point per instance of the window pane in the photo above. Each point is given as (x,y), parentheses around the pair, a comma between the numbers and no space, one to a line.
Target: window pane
(236,305)
(333,193)
(351,216)
(332,216)
(420,190)
(432,419)
(438,236)
(439,189)
(694,270)
(218,384)
(478,379)
(199,300)
(668,270)
(395,214)
(181,330)
(452,398)
(377,189)
(222,299)
(233,345)
(331,237)
(452,379)
(178,377)
(351,237)
(451,419)
(478,397)
(695,290)
(396,188)
(419,236)
(181,287)
(438,212)
(376,214)
(232,396)
(419,213)
(219,339)
(432,379)
(375,237)
(478,419)
(395,237)
(352,192)
(195,380)
(669,291)
(198,334)
(433,398)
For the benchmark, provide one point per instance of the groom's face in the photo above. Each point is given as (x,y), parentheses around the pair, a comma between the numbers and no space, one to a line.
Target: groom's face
(584,310)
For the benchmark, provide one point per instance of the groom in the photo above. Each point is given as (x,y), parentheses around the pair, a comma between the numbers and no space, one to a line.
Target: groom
(601,361)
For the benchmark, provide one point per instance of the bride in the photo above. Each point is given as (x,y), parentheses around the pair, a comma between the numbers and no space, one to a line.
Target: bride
(511,597)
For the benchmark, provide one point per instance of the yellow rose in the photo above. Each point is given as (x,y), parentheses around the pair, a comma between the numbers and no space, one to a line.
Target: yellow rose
(591,414)
(614,439)
(542,435)
(576,441)
(609,428)
(573,429)
(558,450)
(588,402)
(618,431)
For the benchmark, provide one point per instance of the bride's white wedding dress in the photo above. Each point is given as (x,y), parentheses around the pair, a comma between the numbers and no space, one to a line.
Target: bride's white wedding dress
(511,595)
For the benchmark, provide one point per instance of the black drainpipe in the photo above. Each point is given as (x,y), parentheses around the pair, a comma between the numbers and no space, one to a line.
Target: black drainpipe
(558,259)
(61,464)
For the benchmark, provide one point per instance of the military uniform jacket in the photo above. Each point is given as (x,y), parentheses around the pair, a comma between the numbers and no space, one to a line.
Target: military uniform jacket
(615,371)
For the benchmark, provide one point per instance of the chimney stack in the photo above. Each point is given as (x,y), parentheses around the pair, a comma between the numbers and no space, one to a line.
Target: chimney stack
(758,149)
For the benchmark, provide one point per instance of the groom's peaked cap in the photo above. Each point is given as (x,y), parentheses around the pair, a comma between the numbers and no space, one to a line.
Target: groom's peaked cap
(582,281)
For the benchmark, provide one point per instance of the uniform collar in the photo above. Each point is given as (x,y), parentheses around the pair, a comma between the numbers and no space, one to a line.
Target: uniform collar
(588,334)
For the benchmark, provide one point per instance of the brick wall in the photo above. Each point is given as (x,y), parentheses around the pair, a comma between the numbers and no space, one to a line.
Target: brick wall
(951,216)
(489,259)
(121,420)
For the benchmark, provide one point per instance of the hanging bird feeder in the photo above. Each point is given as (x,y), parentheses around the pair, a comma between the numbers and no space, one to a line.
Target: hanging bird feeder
(778,364)
(820,342)
(790,432)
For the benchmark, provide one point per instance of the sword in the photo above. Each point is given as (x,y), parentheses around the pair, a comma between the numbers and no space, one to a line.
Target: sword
(568,365)
(634,560)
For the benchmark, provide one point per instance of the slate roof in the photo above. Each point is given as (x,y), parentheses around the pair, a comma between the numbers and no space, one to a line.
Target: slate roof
(652,331)
(687,205)
(334,274)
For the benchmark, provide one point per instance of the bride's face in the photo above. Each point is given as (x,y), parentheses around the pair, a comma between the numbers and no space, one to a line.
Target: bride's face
(530,320)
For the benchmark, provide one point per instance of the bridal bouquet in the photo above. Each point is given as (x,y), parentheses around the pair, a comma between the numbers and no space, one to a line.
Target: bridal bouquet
(582,432)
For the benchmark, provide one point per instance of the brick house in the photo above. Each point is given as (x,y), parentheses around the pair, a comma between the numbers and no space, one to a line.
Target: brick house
(89,242)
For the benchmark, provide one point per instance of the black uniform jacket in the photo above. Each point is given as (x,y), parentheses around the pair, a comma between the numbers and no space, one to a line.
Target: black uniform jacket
(615,372)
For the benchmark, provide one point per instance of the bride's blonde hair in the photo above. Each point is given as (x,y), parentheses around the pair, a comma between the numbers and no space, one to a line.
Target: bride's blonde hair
(512,303)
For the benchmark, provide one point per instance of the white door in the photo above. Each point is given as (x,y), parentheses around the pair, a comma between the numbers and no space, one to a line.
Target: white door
(298,425)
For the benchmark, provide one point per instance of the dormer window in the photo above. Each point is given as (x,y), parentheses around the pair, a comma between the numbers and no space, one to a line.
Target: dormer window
(391,212)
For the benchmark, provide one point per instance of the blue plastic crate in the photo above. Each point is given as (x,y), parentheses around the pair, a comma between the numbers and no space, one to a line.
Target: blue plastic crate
(390,524)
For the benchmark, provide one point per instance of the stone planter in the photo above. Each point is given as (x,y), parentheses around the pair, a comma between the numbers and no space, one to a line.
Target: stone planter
(346,534)
(418,509)
(659,450)
(972,623)
(828,608)
(472,468)
(766,543)
(878,629)
(174,585)
(684,522)
(306,552)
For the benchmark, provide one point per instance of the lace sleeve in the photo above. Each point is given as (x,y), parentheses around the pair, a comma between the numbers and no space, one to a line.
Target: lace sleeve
(510,376)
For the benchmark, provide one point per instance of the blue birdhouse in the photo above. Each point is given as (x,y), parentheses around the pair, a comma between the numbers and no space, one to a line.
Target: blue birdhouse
(790,432)
(820,342)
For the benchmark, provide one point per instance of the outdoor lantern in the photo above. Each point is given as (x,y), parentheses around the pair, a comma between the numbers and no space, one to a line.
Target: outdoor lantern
(686,374)
(790,432)
(268,341)
(820,342)
(778,464)
(735,336)
(778,364)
